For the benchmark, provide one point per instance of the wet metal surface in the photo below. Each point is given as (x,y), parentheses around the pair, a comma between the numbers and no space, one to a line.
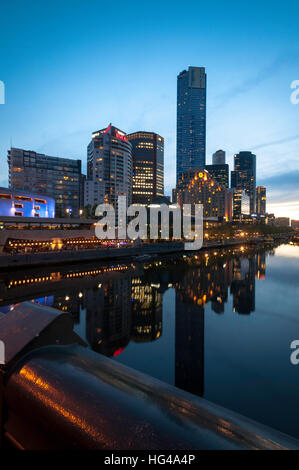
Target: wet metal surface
(70,397)
(23,324)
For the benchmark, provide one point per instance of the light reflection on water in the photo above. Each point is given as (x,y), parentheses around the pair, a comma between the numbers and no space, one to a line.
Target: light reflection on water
(287,251)
(219,326)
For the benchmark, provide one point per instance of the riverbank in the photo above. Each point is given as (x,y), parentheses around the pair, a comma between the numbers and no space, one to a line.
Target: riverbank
(15,261)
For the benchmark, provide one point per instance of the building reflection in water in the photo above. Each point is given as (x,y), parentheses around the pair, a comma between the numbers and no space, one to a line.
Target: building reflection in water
(243,285)
(189,346)
(146,311)
(108,316)
(128,308)
(197,287)
(121,311)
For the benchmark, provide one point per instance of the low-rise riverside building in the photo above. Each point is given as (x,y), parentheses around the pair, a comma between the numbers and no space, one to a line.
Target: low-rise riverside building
(27,234)
(18,203)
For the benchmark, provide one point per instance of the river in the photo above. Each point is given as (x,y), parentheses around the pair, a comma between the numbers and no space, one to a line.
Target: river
(218,324)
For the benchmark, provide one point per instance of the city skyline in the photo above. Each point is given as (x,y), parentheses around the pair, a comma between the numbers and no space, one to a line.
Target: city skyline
(53,108)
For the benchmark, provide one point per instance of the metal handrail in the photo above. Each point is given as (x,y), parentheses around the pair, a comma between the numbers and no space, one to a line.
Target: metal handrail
(69,397)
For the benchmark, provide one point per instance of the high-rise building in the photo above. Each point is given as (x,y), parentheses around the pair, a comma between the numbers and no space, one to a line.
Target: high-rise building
(261,200)
(198,187)
(244,176)
(191,120)
(241,205)
(56,177)
(219,173)
(148,166)
(219,157)
(82,190)
(109,167)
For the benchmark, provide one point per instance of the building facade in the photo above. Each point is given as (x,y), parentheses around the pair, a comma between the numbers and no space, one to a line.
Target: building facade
(56,177)
(282,222)
(244,176)
(17,203)
(241,205)
(148,166)
(295,224)
(191,120)
(261,200)
(109,167)
(219,157)
(198,187)
(219,173)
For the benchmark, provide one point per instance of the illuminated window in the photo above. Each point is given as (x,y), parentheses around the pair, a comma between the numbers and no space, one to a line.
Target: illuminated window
(23,198)
(39,201)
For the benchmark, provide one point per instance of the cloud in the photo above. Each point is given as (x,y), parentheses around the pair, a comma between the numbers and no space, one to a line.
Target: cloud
(288,180)
(3,183)
(283,193)
(254,81)
(276,142)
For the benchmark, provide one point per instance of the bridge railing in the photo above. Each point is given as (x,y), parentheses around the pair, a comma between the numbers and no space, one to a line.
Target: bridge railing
(58,394)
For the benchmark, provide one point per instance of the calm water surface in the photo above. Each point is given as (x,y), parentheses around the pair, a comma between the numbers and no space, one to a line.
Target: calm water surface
(218,325)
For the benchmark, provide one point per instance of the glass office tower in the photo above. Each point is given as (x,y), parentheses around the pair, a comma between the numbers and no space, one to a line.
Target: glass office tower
(219,157)
(148,166)
(244,176)
(191,120)
(261,200)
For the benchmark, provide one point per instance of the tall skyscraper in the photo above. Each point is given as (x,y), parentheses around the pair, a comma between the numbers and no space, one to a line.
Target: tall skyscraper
(261,200)
(109,167)
(148,166)
(244,176)
(219,173)
(56,177)
(191,120)
(219,157)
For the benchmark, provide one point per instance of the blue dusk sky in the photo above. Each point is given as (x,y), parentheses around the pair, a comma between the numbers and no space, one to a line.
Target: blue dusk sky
(71,67)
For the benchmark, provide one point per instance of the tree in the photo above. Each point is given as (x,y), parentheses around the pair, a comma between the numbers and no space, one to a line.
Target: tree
(87,211)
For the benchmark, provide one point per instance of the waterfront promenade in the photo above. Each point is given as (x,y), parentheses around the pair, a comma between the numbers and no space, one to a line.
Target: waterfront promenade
(11,261)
